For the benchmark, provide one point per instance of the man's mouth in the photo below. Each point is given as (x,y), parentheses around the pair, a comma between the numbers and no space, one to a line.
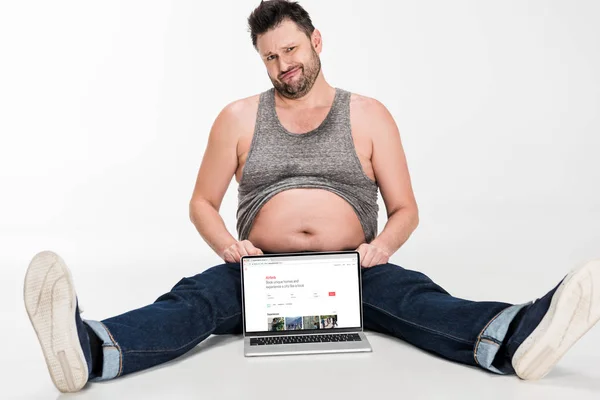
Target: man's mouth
(290,73)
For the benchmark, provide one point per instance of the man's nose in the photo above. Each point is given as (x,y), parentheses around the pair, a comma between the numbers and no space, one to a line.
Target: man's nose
(284,66)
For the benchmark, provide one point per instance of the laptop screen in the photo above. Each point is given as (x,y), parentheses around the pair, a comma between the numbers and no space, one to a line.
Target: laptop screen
(301,293)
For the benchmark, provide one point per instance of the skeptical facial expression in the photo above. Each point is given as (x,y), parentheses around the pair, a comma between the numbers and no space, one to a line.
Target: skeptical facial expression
(292,61)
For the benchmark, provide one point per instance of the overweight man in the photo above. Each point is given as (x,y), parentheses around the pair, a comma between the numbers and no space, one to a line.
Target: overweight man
(309,159)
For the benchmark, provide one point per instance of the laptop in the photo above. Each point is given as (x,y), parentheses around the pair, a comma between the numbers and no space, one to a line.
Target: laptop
(302,303)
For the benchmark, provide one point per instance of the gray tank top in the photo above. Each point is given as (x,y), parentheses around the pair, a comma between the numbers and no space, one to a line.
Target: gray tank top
(323,158)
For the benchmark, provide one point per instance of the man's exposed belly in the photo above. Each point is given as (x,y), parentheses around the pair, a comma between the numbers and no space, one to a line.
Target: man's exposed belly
(302,219)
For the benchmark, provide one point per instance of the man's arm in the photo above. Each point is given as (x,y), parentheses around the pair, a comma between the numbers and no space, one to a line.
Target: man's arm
(217,168)
(391,173)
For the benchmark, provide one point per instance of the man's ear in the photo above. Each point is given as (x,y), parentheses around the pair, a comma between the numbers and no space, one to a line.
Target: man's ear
(317,40)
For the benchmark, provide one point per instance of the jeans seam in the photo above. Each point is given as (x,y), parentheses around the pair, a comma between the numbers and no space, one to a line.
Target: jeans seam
(479,337)
(489,340)
(231,316)
(118,349)
(419,326)
(181,347)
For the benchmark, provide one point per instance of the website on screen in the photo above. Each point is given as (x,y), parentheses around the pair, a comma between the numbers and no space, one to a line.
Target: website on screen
(301,293)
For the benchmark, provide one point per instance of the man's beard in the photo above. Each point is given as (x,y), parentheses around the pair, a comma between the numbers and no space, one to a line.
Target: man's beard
(299,86)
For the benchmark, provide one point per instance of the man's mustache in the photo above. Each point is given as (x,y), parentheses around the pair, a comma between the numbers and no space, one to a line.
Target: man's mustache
(289,70)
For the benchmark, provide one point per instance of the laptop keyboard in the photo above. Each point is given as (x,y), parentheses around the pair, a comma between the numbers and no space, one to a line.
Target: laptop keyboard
(338,337)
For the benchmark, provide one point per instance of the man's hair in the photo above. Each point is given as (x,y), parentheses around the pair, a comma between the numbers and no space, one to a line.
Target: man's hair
(269,14)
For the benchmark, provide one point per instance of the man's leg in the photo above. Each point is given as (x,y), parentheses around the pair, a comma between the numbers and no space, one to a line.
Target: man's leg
(196,307)
(78,351)
(409,305)
(524,339)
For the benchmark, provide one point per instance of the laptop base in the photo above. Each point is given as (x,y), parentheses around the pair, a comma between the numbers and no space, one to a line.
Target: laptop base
(307,348)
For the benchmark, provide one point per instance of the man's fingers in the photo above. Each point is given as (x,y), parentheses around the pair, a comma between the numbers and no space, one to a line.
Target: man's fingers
(242,249)
(368,258)
(251,249)
(256,251)
(236,254)
(228,256)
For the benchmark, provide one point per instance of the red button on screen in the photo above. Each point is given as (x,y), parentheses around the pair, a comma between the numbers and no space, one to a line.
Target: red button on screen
(332,293)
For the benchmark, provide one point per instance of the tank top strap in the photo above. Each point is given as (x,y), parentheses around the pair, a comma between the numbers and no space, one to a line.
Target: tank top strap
(340,112)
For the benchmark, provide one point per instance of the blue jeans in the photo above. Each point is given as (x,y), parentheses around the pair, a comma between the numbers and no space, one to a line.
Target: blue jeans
(396,301)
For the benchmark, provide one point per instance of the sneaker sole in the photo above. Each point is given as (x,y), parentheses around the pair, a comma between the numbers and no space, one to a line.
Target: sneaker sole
(574,309)
(50,301)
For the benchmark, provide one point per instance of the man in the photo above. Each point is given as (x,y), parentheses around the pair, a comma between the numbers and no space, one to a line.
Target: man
(309,159)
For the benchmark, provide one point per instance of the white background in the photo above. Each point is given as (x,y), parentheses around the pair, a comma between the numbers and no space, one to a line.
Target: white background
(105,110)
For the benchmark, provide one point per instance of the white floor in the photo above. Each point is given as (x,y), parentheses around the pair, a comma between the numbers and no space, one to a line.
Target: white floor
(217,369)
(110,282)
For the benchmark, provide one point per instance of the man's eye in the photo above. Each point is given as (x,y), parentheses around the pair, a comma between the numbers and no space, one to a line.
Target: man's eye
(289,49)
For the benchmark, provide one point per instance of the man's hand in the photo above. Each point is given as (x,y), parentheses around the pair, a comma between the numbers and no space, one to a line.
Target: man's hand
(371,255)
(234,253)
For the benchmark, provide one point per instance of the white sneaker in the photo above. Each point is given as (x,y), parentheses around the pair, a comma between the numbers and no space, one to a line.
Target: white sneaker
(52,307)
(556,321)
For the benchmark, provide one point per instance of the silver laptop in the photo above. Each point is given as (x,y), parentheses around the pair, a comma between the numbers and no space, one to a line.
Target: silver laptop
(302,303)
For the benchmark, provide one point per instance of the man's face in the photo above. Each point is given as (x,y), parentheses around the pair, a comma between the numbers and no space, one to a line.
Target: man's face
(287,49)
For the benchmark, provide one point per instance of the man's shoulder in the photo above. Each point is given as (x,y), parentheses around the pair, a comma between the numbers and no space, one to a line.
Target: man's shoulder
(242,111)
(367,111)
(243,104)
(364,103)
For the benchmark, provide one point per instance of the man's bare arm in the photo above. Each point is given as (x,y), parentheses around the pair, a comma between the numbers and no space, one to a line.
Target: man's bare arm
(217,168)
(393,178)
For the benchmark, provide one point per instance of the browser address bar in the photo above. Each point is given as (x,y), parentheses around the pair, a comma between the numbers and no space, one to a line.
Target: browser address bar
(302,262)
